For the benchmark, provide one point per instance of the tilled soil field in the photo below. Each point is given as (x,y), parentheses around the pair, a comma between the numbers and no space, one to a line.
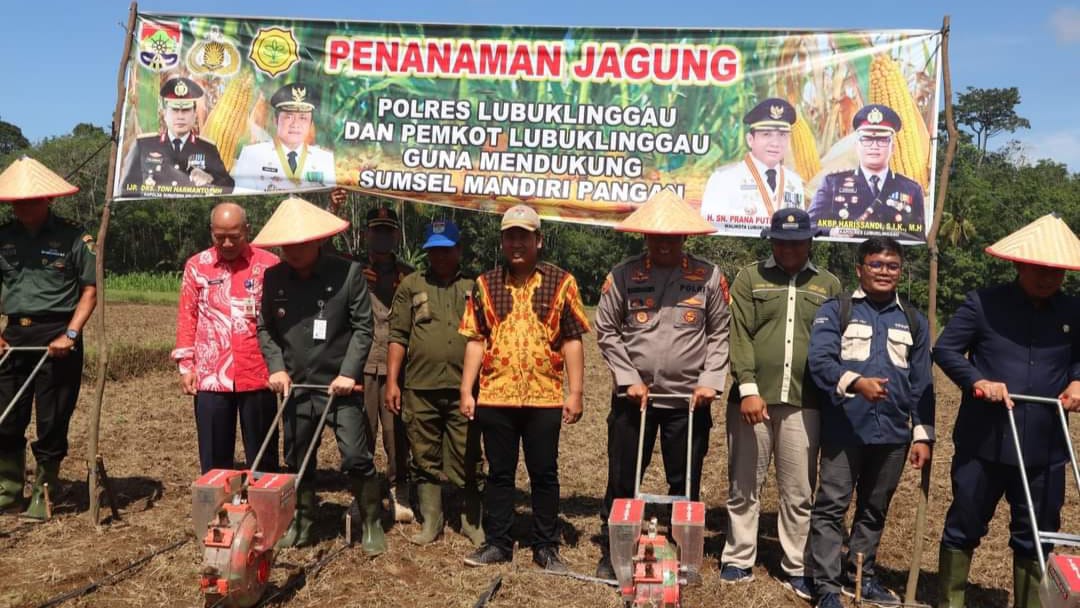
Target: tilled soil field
(148,442)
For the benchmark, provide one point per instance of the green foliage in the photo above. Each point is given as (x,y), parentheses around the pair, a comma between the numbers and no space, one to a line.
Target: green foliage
(166,282)
(11,138)
(988,112)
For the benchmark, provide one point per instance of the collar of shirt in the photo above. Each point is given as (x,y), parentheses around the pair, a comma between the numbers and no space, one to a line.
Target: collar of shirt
(430,277)
(540,268)
(183,140)
(859,294)
(771,263)
(762,167)
(287,149)
(883,175)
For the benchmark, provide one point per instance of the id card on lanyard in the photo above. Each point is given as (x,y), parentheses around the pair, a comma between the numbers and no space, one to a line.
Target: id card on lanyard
(318,329)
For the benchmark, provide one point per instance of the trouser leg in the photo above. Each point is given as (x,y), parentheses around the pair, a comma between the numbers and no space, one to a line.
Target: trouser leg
(426,426)
(878,477)
(1047,486)
(673,428)
(624,425)
(749,452)
(215,422)
(501,437)
(795,450)
(839,470)
(257,412)
(540,442)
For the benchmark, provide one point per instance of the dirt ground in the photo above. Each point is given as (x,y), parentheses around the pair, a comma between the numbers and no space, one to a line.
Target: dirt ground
(148,442)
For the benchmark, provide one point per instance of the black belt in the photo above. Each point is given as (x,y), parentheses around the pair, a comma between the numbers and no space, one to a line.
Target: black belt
(29,320)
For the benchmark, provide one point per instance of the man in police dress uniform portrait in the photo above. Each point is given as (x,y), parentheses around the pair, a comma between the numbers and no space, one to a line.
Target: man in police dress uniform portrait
(871,192)
(758,184)
(287,162)
(176,160)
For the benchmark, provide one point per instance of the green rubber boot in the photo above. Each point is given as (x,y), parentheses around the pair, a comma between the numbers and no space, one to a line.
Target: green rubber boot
(46,473)
(299,532)
(472,511)
(430,496)
(369,494)
(1026,578)
(12,472)
(953,566)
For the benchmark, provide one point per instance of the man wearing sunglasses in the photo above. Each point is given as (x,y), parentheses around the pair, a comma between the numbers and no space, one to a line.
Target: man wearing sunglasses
(872,199)
(870,353)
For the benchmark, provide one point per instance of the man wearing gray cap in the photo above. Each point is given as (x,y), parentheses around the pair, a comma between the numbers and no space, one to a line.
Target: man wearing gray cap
(772,411)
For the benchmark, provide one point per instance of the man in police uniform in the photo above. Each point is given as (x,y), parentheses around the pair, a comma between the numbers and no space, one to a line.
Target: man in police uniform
(176,161)
(288,162)
(758,184)
(424,320)
(1017,337)
(662,327)
(872,192)
(48,294)
(315,328)
(384,273)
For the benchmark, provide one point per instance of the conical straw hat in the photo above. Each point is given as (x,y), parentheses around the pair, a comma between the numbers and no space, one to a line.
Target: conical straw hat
(298,221)
(1046,242)
(26,179)
(665,213)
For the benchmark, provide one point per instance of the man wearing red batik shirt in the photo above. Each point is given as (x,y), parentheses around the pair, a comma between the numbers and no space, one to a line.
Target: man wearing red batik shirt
(217,348)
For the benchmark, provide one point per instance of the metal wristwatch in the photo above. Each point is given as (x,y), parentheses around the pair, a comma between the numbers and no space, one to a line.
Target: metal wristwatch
(72,334)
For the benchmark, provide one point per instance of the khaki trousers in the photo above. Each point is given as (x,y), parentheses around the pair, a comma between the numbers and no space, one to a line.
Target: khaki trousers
(790,438)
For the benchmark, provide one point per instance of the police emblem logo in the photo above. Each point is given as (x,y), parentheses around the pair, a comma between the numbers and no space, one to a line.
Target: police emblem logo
(281,313)
(213,55)
(875,116)
(159,44)
(690,316)
(641,317)
(791,218)
(650,302)
(274,50)
(180,89)
(776,112)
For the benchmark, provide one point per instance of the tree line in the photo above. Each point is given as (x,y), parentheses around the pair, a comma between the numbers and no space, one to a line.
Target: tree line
(991,193)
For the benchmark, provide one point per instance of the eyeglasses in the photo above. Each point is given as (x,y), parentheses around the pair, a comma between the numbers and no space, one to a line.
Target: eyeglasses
(879,142)
(878,265)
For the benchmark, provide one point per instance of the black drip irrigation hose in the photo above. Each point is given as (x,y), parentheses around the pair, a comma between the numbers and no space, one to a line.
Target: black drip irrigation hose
(309,570)
(112,578)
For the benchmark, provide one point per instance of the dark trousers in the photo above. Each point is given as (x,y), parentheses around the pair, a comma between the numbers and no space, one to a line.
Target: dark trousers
(215,421)
(537,430)
(624,425)
(872,472)
(55,390)
(978,486)
(349,423)
(395,441)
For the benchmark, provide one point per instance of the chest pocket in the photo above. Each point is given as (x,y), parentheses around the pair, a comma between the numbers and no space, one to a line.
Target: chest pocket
(809,303)
(899,346)
(689,316)
(855,343)
(639,315)
(769,305)
(421,308)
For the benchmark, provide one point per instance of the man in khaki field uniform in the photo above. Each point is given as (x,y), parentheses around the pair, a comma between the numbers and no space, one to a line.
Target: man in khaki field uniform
(384,273)
(772,409)
(662,327)
(424,320)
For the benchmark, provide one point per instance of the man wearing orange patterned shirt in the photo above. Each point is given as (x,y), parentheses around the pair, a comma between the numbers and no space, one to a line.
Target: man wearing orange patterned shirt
(524,323)
(217,349)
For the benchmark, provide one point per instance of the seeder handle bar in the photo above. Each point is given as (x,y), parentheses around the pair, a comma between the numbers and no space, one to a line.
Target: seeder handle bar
(979,394)
(277,419)
(22,389)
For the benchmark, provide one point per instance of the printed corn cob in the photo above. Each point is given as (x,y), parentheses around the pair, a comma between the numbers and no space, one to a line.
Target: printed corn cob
(889,87)
(804,149)
(228,120)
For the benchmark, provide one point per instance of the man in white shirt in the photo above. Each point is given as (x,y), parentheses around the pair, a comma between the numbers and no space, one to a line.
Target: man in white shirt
(287,162)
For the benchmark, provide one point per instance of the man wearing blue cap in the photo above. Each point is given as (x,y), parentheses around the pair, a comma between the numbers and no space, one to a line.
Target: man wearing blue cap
(872,199)
(424,318)
(773,409)
(740,196)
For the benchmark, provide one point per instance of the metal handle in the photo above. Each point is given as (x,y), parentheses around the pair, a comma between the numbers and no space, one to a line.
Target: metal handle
(689,438)
(29,379)
(314,439)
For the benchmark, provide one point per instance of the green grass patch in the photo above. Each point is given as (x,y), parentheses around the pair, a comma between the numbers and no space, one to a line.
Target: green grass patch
(142,297)
(144,287)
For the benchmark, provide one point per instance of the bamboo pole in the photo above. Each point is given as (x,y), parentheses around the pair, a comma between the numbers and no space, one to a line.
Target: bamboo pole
(92,452)
(931,241)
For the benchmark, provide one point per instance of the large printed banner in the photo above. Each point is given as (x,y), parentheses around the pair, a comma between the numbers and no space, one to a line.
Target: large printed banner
(584,124)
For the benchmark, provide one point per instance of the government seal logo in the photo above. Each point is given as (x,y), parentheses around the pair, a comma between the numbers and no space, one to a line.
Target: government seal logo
(274,50)
(214,55)
(159,44)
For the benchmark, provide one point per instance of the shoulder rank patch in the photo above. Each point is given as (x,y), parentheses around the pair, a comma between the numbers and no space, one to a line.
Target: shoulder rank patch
(606,287)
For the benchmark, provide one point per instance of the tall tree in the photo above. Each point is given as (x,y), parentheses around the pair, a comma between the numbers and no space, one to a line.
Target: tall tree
(11,138)
(987,112)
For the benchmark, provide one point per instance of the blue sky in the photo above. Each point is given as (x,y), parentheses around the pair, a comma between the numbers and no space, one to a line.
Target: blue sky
(61,57)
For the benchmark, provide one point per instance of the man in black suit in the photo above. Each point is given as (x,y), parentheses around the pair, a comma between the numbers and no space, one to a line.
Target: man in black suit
(176,161)
(871,199)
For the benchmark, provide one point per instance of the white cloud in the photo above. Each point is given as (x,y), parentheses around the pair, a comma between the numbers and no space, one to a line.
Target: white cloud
(1065,22)
(1060,147)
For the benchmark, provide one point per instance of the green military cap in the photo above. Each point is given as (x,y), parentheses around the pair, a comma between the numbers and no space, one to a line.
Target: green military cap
(180,93)
(772,113)
(295,97)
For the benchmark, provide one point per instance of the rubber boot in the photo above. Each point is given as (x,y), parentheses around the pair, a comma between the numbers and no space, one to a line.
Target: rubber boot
(299,532)
(12,472)
(472,511)
(1026,578)
(953,566)
(46,473)
(369,494)
(430,496)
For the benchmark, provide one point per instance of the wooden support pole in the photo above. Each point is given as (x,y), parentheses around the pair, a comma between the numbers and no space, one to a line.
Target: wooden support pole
(931,241)
(99,272)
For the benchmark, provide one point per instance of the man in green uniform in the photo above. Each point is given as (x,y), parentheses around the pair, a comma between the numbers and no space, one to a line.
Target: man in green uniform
(384,273)
(48,294)
(424,319)
(315,328)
